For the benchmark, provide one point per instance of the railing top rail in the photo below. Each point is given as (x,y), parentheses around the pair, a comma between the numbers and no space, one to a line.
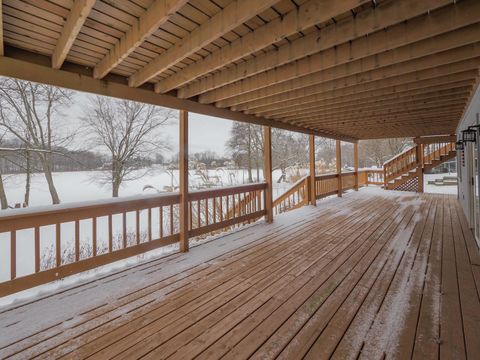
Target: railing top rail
(128,203)
(402,154)
(223,191)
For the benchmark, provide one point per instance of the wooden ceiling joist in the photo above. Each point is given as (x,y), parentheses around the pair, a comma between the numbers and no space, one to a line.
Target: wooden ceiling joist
(369,81)
(366,113)
(77,16)
(341,59)
(349,29)
(309,14)
(414,87)
(1,29)
(235,14)
(365,101)
(386,104)
(157,14)
(348,70)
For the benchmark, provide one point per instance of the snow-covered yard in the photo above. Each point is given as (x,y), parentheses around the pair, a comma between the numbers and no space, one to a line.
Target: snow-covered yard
(436,189)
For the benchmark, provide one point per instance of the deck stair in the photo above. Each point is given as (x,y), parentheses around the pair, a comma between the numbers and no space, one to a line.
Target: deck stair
(405,171)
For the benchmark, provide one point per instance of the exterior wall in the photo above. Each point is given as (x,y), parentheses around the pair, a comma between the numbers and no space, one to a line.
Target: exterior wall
(465,170)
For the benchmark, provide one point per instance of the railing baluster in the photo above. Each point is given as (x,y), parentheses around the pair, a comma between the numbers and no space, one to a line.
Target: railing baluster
(124,220)
(171,220)
(221,208)
(110,234)
(77,240)
(206,212)
(214,210)
(198,214)
(37,249)
(137,227)
(58,247)
(160,213)
(13,254)
(94,236)
(149,224)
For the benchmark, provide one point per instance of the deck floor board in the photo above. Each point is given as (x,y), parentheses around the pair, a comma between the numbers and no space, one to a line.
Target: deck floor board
(374,274)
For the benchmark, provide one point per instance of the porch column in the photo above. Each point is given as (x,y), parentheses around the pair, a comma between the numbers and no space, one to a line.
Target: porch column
(183,180)
(339,166)
(313,195)
(267,172)
(355,164)
(419,156)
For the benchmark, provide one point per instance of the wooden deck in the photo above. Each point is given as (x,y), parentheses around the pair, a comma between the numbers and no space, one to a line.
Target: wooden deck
(371,275)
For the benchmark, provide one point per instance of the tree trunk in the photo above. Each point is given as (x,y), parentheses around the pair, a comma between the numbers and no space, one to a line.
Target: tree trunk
(3,195)
(26,200)
(47,170)
(116,179)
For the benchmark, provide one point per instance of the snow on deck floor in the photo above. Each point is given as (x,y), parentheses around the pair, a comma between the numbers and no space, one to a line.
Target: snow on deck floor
(365,241)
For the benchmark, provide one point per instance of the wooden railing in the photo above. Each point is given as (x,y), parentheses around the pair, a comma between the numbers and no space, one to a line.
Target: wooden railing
(295,197)
(70,239)
(400,164)
(325,185)
(435,151)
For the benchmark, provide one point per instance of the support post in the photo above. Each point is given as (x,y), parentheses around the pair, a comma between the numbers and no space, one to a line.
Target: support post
(419,156)
(355,164)
(267,172)
(183,180)
(313,195)
(339,166)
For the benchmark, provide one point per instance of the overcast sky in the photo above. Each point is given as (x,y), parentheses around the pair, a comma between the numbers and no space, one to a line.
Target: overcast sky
(205,132)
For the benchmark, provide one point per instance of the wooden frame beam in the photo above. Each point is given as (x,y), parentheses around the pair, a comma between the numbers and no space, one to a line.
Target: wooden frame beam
(355,164)
(338,34)
(316,66)
(35,67)
(338,157)
(1,29)
(267,173)
(435,139)
(301,18)
(386,108)
(157,14)
(183,180)
(414,87)
(311,148)
(389,103)
(73,24)
(372,118)
(345,78)
(235,14)
(370,81)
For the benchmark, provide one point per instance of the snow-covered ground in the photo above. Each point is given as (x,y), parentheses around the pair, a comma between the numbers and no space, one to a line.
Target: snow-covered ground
(436,189)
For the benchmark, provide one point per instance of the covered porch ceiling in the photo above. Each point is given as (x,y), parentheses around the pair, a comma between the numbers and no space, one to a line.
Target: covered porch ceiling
(350,69)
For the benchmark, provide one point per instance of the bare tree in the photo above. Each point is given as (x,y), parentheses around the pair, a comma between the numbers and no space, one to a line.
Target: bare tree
(31,113)
(376,152)
(129,131)
(246,146)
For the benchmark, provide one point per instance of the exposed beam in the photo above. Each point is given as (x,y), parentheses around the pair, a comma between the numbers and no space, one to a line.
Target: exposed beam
(267,175)
(373,102)
(358,107)
(35,67)
(366,114)
(75,19)
(235,14)
(317,66)
(371,73)
(435,139)
(350,29)
(364,99)
(376,119)
(183,180)
(157,14)
(301,18)
(369,81)
(1,29)
(440,82)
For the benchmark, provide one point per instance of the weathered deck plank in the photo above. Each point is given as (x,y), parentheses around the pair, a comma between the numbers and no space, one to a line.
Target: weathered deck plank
(368,275)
